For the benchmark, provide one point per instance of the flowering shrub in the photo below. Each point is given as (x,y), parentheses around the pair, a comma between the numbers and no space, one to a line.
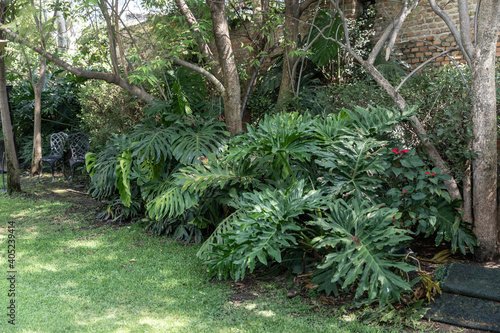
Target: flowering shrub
(423,203)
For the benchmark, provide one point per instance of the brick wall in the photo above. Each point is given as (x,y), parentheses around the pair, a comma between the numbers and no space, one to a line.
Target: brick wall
(423,34)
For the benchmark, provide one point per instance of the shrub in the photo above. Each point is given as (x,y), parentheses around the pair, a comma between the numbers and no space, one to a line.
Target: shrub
(107,109)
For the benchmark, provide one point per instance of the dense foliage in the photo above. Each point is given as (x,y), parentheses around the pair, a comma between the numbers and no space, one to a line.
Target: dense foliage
(336,196)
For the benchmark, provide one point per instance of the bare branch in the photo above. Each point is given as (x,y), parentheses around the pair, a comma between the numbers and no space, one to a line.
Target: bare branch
(202,71)
(400,102)
(303,6)
(465,33)
(107,77)
(405,11)
(422,65)
(453,29)
(205,50)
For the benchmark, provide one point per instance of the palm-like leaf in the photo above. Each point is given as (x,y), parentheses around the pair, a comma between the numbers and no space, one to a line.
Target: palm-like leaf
(167,199)
(218,174)
(103,179)
(353,166)
(450,227)
(282,137)
(377,120)
(122,171)
(329,128)
(190,143)
(326,50)
(360,238)
(216,238)
(151,144)
(265,226)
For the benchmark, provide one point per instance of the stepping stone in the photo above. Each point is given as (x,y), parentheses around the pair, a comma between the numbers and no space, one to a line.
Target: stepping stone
(471,298)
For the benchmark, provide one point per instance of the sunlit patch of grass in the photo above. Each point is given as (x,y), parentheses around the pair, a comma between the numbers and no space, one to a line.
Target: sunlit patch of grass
(75,278)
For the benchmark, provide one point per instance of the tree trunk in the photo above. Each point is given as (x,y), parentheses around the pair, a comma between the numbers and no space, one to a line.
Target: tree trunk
(291,32)
(13,182)
(230,79)
(62,34)
(37,126)
(484,185)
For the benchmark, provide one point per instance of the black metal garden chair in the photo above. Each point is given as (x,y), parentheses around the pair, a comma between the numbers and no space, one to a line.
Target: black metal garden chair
(79,145)
(57,147)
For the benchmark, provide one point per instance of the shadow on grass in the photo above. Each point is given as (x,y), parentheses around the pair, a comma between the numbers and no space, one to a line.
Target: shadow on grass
(73,277)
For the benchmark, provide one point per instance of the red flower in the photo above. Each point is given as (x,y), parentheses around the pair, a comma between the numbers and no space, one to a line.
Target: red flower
(393,219)
(428,173)
(431,174)
(404,191)
(397,151)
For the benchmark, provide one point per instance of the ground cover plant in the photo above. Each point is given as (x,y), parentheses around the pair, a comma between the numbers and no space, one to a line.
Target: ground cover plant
(335,196)
(78,274)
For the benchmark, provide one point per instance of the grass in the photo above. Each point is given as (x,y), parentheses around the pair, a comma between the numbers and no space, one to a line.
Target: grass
(74,276)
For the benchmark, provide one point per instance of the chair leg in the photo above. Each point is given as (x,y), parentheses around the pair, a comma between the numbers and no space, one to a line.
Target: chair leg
(52,169)
(72,173)
(64,172)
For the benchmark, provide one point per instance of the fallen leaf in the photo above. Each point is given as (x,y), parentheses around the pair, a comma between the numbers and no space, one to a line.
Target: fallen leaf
(132,260)
(91,252)
(123,265)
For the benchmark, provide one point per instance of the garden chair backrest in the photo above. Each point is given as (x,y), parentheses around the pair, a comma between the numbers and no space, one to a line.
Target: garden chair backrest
(58,143)
(80,145)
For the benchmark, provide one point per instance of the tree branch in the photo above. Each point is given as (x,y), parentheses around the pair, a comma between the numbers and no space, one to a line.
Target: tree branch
(220,87)
(400,102)
(465,28)
(303,6)
(107,77)
(453,29)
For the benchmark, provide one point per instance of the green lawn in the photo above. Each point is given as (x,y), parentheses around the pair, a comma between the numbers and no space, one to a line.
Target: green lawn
(73,276)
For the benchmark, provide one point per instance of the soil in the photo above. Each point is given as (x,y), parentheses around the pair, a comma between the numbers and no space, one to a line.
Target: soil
(429,256)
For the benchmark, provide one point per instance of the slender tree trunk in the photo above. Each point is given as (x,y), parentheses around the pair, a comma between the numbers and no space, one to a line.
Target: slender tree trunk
(232,95)
(13,182)
(291,31)
(484,121)
(37,126)
(62,34)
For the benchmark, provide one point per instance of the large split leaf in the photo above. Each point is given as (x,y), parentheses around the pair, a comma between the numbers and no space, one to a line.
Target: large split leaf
(191,143)
(359,241)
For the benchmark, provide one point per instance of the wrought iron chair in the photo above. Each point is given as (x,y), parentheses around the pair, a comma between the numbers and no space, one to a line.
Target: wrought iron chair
(57,146)
(79,145)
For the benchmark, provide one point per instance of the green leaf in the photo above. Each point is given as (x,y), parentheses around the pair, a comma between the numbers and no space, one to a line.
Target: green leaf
(122,172)
(360,237)
(325,50)
(418,196)
(190,143)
